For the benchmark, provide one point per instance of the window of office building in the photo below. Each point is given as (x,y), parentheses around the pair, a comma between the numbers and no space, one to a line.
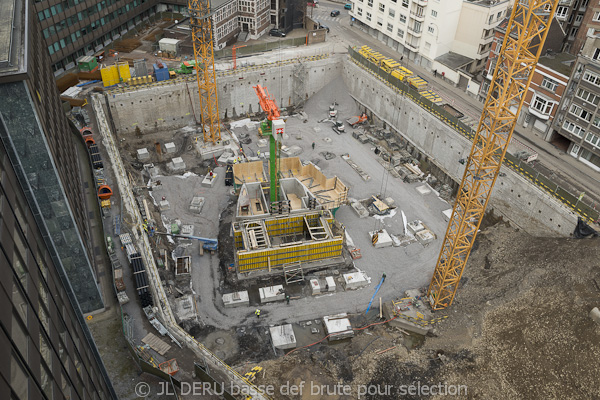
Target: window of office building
(400,33)
(588,96)
(433,13)
(574,129)
(592,78)
(580,112)
(390,27)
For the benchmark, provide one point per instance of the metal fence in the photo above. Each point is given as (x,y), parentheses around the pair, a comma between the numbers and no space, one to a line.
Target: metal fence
(586,211)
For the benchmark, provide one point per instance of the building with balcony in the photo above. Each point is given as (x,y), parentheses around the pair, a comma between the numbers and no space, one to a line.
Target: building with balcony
(570,15)
(45,345)
(576,128)
(588,27)
(548,83)
(450,36)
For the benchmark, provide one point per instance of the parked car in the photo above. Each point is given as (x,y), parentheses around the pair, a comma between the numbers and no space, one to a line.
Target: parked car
(335,13)
(277,32)
(348,6)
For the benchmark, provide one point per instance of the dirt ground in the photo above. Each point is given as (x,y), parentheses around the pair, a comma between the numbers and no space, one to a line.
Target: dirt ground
(518,329)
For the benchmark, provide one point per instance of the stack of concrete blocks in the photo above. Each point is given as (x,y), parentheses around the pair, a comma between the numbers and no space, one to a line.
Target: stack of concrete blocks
(283,336)
(143,155)
(225,158)
(177,164)
(164,205)
(271,293)
(447,214)
(170,148)
(355,280)
(316,287)
(197,204)
(330,284)
(419,229)
(236,299)
(359,208)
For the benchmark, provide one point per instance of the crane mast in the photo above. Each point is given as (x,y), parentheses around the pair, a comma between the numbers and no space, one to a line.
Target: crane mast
(525,36)
(205,68)
(267,103)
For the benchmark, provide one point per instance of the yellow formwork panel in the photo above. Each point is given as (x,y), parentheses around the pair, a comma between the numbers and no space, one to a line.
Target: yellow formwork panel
(278,257)
(124,72)
(110,76)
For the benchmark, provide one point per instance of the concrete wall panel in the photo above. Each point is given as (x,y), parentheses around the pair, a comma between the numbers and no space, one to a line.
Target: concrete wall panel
(513,197)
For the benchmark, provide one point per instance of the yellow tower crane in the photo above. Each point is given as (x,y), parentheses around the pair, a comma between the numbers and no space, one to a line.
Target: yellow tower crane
(205,68)
(525,36)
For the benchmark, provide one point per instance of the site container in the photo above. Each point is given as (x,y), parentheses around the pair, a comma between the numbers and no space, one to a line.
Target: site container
(161,72)
(87,64)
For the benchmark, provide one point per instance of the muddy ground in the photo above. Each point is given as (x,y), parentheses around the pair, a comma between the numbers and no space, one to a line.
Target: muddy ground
(518,329)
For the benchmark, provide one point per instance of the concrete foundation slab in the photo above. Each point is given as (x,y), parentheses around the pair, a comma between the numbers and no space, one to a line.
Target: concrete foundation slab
(355,280)
(262,143)
(196,204)
(185,307)
(360,210)
(209,180)
(143,155)
(423,190)
(283,336)
(447,214)
(271,293)
(383,239)
(170,148)
(330,287)
(224,158)
(425,236)
(415,226)
(164,205)
(315,286)
(187,230)
(338,326)
(236,299)
(209,152)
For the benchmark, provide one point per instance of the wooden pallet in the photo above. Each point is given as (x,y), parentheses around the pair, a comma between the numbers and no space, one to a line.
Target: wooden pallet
(156,344)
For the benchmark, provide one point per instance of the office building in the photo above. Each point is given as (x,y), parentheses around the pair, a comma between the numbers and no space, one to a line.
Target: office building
(46,348)
(40,145)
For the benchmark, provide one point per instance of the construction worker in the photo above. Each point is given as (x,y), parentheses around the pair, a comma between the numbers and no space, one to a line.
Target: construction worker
(257,313)
(258,153)
(235,160)
(287,299)
(313,145)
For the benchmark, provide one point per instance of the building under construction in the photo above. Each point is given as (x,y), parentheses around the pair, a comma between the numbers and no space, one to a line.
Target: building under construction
(301,232)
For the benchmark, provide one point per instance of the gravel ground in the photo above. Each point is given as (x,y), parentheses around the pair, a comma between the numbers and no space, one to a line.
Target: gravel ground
(518,329)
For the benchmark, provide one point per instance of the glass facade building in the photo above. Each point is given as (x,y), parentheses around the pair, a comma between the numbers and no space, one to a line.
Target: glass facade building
(46,348)
(39,142)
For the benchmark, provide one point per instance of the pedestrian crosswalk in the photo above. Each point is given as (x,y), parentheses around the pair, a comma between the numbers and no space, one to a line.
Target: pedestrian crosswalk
(326,17)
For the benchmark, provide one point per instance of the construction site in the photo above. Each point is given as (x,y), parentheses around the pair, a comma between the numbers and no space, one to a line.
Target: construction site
(298,227)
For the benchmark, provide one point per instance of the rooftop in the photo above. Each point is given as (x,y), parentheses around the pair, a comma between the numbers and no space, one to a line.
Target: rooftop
(12,37)
(560,62)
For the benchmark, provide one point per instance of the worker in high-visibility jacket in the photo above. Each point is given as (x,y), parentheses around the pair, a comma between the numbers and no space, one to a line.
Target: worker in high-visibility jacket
(257,313)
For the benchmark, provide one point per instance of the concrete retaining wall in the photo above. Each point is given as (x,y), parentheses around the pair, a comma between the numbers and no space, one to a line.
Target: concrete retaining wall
(175,104)
(513,196)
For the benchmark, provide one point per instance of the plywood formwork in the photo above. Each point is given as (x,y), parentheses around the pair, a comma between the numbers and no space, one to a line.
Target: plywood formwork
(330,192)
(248,172)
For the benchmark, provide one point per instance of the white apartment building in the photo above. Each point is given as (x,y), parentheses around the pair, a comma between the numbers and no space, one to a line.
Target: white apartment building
(450,36)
